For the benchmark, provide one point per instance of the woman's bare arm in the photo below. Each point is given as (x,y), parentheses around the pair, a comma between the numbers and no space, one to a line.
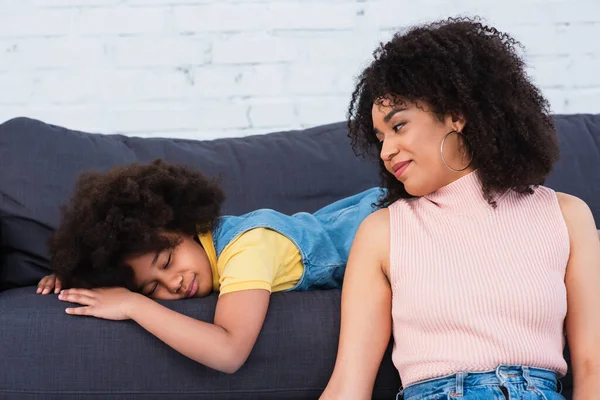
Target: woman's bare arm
(583,297)
(366,320)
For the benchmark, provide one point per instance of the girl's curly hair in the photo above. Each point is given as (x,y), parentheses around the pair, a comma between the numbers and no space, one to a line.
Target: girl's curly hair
(125,212)
(461,67)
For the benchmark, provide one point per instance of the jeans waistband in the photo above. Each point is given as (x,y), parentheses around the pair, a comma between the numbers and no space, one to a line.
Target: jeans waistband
(501,376)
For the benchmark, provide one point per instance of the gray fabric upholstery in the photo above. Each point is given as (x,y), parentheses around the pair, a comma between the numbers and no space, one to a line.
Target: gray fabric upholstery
(56,356)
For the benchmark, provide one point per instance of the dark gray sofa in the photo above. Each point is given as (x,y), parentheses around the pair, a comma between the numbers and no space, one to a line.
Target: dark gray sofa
(46,354)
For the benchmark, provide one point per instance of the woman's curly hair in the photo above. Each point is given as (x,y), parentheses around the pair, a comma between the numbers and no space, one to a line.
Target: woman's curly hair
(461,67)
(125,212)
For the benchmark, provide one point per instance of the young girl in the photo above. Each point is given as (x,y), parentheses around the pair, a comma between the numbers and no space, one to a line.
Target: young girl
(142,232)
(475,268)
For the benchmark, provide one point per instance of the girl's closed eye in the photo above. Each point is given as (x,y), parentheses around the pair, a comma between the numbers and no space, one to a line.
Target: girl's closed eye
(155,286)
(168,262)
(150,293)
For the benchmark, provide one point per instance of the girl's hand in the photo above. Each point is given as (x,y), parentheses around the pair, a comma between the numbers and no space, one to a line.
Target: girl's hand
(110,303)
(48,284)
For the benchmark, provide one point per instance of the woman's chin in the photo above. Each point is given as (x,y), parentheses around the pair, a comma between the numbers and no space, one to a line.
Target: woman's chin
(413,189)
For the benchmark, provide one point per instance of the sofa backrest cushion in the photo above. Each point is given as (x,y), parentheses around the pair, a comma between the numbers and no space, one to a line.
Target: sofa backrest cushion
(287,171)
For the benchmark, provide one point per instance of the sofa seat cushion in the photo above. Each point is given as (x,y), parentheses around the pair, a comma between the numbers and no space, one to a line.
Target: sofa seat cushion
(67,356)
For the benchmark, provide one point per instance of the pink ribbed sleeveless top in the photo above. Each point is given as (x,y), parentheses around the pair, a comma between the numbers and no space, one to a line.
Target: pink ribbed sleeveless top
(474,287)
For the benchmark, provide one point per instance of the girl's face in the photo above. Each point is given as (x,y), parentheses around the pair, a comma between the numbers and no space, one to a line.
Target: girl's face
(411,136)
(174,274)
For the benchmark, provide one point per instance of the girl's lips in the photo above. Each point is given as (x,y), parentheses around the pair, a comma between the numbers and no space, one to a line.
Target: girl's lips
(193,288)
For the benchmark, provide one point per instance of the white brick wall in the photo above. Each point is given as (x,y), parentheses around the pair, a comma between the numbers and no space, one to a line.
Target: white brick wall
(216,68)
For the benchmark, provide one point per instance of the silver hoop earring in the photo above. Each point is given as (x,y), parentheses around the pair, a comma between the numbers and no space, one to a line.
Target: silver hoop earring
(442,153)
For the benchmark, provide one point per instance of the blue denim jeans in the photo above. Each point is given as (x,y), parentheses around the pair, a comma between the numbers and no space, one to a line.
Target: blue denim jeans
(506,382)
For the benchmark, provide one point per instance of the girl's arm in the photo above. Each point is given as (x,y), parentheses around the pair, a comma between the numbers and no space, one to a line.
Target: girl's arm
(366,320)
(224,345)
(583,297)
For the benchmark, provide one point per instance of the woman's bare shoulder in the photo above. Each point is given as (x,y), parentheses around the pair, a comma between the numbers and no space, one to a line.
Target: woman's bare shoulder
(373,238)
(377,222)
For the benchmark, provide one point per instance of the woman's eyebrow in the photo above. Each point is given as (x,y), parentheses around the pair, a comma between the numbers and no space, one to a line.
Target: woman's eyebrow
(395,111)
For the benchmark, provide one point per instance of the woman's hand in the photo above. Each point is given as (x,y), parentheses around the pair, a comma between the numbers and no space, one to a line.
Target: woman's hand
(48,284)
(110,303)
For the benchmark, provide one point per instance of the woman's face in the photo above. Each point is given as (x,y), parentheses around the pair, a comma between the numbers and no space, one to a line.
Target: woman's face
(174,274)
(411,137)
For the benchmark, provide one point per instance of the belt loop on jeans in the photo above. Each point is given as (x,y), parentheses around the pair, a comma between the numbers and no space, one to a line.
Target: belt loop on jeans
(460,380)
(559,386)
(400,394)
(501,375)
(527,378)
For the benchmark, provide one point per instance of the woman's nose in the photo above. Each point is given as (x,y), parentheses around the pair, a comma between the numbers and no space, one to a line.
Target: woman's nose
(388,151)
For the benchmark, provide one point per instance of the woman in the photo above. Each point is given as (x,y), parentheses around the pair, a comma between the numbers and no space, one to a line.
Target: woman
(473,265)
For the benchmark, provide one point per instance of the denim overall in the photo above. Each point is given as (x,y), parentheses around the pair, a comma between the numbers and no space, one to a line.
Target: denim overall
(506,382)
(323,238)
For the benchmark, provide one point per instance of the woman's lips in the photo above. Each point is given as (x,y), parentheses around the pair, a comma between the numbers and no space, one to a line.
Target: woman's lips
(400,167)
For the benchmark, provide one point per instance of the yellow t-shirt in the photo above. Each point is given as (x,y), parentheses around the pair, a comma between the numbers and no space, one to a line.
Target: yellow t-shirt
(260,258)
